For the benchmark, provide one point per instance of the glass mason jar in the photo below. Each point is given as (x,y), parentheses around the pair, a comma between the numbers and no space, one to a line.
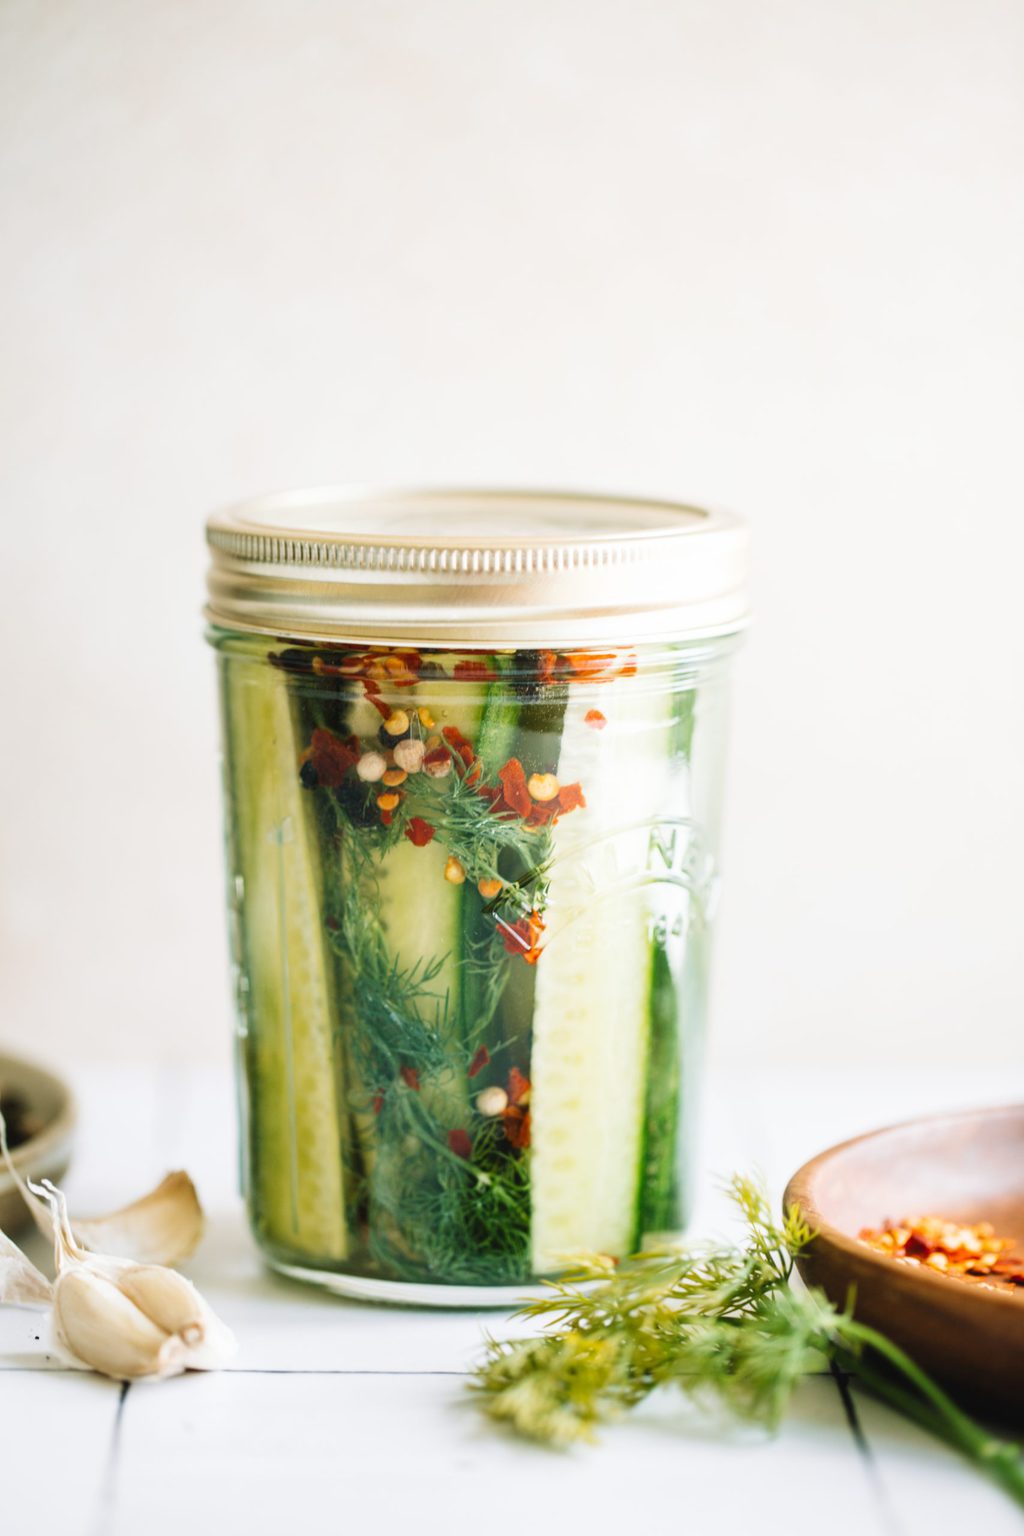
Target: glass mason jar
(473,756)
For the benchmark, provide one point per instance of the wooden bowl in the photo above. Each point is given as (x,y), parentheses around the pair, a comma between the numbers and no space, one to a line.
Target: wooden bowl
(46,1154)
(968,1167)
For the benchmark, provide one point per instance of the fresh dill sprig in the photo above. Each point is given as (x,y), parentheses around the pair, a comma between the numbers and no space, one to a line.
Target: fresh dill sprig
(719,1322)
(487,843)
(428,1210)
(422,1206)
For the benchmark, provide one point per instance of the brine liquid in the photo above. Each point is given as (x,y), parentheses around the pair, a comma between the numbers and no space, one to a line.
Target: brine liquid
(469,909)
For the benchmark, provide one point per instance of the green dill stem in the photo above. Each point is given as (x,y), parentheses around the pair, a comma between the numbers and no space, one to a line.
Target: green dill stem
(424,1130)
(716,1321)
(929,1406)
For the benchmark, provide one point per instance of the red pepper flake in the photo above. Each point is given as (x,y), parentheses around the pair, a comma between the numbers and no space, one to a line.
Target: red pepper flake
(454,737)
(514,798)
(600,666)
(595,719)
(460,1144)
(411,1078)
(439,759)
(399,668)
(353,665)
(546,668)
(591,666)
(571,797)
(513,787)
(462,748)
(474,672)
(542,813)
(971,1251)
(378,1104)
(419,832)
(332,924)
(480,1060)
(516,1125)
(518,1087)
(515,936)
(521,937)
(331,756)
(386,818)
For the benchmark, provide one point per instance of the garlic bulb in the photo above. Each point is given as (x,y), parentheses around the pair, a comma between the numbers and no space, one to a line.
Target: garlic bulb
(124,1319)
(126,1315)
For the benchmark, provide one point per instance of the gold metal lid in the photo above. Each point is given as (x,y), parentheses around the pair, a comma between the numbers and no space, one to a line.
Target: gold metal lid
(475,568)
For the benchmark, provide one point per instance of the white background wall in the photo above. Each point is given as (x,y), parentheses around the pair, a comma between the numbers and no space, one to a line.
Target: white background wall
(764,252)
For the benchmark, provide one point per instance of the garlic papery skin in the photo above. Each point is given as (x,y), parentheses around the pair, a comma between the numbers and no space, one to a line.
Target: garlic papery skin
(160,1228)
(97,1324)
(21,1284)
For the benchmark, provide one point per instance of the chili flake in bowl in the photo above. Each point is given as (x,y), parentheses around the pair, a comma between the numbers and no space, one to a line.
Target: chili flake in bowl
(950,1247)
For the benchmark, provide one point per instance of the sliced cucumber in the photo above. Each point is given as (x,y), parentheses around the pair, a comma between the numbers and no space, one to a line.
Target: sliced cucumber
(497,735)
(421,912)
(593,1001)
(496,741)
(295,1173)
(660,1205)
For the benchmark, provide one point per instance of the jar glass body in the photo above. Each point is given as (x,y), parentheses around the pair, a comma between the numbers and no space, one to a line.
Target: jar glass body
(470,909)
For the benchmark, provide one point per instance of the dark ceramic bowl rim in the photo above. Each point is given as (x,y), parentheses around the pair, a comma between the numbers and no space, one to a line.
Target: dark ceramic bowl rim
(56,1132)
(800,1192)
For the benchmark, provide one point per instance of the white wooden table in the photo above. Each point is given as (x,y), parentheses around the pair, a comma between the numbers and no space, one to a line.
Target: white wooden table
(338,1416)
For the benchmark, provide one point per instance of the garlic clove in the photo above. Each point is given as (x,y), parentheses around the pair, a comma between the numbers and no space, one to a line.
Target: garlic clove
(160,1228)
(20,1282)
(174,1304)
(98,1325)
(166,1298)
